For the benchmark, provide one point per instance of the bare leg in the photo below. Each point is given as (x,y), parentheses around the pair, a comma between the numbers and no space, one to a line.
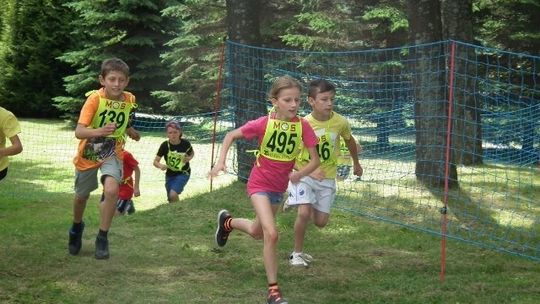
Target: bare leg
(320,219)
(300,225)
(265,218)
(79,205)
(173,197)
(263,227)
(108,207)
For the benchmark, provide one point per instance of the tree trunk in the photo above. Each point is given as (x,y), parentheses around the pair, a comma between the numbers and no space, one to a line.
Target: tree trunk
(248,96)
(429,89)
(457,22)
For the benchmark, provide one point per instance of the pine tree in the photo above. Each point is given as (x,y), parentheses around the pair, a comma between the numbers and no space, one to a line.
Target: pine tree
(34,33)
(194,55)
(132,30)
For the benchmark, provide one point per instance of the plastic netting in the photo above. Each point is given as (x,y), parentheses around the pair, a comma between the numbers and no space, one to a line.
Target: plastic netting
(478,136)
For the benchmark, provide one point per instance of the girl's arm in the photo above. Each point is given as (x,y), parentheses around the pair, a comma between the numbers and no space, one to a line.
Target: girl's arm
(313,164)
(227,143)
(159,165)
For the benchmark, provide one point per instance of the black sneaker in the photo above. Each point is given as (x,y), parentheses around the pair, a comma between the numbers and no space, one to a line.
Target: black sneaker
(75,240)
(131,208)
(221,233)
(102,248)
(274,297)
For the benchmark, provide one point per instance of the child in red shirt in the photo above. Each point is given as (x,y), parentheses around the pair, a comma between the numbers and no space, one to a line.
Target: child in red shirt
(129,186)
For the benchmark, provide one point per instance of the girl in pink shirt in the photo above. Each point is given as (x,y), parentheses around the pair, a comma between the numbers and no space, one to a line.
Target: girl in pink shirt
(280,136)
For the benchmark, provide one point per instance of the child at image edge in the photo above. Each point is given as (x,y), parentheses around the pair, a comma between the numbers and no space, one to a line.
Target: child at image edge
(103,122)
(280,135)
(315,194)
(178,153)
(9,128)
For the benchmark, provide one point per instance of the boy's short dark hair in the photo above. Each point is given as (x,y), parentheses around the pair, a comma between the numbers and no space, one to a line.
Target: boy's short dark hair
(320,86)
(114,64)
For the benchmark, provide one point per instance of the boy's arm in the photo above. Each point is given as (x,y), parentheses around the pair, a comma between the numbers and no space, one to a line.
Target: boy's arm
(227,142)
(15,148)
(83,132)
(313,164)
(354,148)
(133,134)
(136,191)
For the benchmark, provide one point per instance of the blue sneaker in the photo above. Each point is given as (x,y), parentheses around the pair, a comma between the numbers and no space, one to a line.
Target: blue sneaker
(75,240)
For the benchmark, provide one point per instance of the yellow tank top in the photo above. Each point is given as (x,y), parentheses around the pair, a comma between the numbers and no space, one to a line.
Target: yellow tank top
(282,140)
(112,111)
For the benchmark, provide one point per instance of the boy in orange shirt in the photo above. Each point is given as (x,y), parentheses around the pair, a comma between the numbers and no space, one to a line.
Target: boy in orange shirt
(101,128)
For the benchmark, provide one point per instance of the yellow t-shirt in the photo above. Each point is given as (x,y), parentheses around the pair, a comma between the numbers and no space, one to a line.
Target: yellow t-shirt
(337,126)
(88,112)
(9,127)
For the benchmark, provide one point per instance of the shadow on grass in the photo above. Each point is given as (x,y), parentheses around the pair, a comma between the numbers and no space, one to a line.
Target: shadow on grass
(34,180)
(476,218)
(167,255)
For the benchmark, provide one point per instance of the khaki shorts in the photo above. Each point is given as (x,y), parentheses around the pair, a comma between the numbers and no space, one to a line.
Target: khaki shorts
(86,181)
(320,194)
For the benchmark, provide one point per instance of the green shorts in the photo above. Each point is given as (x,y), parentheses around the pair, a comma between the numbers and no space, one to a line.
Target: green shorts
(86,181)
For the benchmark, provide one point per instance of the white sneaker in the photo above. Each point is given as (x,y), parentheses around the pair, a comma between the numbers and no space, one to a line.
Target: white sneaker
(300,259)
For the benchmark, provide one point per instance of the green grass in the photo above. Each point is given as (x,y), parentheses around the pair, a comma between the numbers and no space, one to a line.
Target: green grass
(166,255)
(46,166)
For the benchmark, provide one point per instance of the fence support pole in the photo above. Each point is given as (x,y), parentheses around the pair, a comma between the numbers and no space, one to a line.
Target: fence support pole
(217,103)
(444,220)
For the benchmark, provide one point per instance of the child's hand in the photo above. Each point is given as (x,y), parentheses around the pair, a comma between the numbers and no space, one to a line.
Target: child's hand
(358,170)
(136,192)
(318,174)
(108,129)
(162,167)
(216,169)
(295,177)
(133,134)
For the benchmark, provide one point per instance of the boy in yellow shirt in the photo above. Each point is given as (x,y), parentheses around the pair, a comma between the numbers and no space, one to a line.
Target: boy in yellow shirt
(315,194)
(9,128)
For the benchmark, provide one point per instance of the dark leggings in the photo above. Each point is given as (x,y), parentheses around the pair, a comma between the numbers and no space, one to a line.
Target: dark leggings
(3,173)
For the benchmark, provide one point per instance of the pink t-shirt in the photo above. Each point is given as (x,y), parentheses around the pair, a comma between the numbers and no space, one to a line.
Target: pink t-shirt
(271,175)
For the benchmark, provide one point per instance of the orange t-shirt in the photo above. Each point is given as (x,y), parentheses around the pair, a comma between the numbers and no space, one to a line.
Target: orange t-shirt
(88,112)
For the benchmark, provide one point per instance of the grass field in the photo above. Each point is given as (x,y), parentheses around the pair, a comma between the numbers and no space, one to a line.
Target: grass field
(46,166)
(165,253)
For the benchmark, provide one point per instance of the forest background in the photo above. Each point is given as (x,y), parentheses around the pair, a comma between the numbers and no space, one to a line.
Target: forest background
(50,50)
